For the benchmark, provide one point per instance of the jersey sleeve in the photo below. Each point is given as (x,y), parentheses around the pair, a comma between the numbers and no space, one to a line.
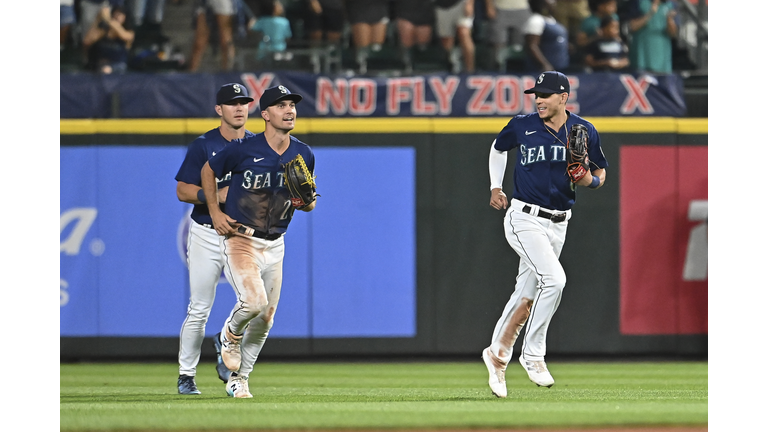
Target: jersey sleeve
(189,171)
(311,160)
(595,149)
(507,139)
(226,160)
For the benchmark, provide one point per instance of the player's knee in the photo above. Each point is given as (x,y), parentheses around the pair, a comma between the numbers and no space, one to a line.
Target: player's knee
(555,281)
(254,305)
(265,320)
(559,281)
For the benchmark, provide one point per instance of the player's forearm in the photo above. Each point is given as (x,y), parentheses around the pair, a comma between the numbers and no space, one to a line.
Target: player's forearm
(600,172)
(587,180)
(210,189)
(497,164)
(187,192)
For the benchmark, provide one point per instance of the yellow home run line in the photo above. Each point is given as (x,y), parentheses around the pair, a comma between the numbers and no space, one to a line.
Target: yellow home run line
(465,125)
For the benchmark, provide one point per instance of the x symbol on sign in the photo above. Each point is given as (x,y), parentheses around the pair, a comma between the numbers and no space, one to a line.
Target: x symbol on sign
(636,95)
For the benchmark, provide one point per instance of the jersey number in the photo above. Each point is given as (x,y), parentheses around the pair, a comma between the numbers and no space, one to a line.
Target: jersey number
(286,210)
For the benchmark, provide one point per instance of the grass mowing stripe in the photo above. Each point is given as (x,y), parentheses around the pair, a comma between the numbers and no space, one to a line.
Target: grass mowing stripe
(383,395)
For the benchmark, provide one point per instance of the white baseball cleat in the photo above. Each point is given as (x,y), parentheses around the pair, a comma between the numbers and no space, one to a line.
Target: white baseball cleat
(496,379)
(237,386)
(537,372)
(230,349)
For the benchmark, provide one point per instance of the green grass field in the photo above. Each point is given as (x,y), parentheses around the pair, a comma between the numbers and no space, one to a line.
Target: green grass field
(142,397)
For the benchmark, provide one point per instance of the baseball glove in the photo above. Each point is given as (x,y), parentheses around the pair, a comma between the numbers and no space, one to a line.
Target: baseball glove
(300,183)
(576,154)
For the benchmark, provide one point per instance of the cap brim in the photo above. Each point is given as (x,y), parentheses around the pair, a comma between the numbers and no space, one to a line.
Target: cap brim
(543,90)
(292,97)
(244,98)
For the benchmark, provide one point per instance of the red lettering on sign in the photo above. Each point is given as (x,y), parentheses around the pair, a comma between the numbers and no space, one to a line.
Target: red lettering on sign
(256,86)
(444,92)
(573,97)
(330,96)
(507,95)
(420,105)
(398,91)
(478,103)
(529,104)
(636,95)
(362,96)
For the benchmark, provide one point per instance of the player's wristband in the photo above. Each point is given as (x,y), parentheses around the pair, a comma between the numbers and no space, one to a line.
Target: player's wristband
(595,182)
(201,196)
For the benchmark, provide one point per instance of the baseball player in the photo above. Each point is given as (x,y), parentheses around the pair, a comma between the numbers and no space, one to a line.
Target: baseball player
(536,221)
(257,212)
(204,257)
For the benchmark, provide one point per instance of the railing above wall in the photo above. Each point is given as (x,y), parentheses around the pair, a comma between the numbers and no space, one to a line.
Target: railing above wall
(481,125)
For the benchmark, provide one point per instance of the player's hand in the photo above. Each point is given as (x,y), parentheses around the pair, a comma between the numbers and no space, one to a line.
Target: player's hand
(223,224)
(499,199)
(584,181)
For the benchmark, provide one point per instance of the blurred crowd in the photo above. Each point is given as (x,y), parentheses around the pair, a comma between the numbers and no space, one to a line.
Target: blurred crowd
(460,36)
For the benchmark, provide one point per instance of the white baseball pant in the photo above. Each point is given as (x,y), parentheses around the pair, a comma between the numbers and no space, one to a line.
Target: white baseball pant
(255,268)
(205,262)
(540,281)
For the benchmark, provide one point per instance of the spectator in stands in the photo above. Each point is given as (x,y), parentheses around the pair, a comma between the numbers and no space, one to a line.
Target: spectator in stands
(67,21)
(218,14)
(652,27)
(368,20)
(89,10)
(590,27)
(453,21)
(546,40)
(415,19)
(507,16)
(275,31)
(146,12)
(570,13)
(324,21)
(608,53)
(147,18)
(108,41)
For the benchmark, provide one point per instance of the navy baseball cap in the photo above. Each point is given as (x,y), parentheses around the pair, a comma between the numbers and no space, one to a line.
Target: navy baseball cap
(551,82)
(232,92)
(275,94)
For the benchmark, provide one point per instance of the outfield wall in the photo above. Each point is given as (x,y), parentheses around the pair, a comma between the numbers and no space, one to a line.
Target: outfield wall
(404,257)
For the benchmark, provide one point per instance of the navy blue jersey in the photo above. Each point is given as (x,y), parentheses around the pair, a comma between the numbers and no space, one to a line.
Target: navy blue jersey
(257,196)
(540,177)
(198,153)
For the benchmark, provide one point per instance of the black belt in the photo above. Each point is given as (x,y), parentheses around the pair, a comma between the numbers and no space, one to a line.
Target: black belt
(242,229)
(554,217)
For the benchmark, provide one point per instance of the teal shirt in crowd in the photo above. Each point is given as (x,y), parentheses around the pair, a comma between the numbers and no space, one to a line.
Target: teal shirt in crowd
(650,48)
(275,30)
